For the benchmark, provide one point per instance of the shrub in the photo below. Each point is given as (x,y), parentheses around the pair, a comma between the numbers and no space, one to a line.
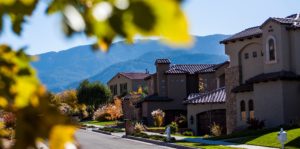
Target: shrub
(216,129)
(139,127)
(109,111)
(173,127)
(181,121)
(158,117)
(188,133)
(255,124)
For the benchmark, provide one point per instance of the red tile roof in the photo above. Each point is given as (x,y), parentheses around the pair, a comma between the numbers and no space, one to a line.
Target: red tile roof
(134,75)
(162,61)
(215,96)
(189,68)
(291,20)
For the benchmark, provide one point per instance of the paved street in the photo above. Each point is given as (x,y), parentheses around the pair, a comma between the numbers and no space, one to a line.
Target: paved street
(93,140)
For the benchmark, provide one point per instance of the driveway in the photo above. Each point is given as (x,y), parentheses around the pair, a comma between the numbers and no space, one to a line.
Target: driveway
(93,140)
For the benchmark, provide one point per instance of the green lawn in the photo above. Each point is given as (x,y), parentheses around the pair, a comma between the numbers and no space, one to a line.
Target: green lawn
(270,139)
(203,146)
(106,123)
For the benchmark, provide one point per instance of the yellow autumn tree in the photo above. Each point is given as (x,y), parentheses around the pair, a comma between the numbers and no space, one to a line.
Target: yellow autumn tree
(21,92)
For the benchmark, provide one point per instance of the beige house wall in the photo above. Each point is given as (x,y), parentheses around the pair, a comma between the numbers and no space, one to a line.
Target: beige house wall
(268,103)
(295,52)
(280,34)
(194,109)
(120,79)
(291,105)
(177,88)
(245,96)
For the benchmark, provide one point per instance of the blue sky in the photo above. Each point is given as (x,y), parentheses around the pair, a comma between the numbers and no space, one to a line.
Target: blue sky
(43,33)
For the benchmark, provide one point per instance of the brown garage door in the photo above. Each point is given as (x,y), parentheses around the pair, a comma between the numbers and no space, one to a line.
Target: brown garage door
(205,119)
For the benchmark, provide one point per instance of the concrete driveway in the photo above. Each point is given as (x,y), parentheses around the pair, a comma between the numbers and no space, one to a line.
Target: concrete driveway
(93,140)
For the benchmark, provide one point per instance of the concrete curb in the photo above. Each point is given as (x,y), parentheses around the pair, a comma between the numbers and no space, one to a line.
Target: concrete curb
(157,142)
(103,132)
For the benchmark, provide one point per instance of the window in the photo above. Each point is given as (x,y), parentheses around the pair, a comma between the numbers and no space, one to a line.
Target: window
(113,89)
(123,88)
(246,55)
(251,109)
(254,54)
(243,110)
(271,50)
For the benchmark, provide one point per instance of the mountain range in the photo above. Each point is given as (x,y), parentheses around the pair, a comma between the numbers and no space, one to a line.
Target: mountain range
(65,69)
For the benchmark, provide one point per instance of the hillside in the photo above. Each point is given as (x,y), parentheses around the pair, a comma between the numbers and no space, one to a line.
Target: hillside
(60,69)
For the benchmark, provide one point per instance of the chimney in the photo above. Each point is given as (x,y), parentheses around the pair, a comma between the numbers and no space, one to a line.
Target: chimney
(162,65)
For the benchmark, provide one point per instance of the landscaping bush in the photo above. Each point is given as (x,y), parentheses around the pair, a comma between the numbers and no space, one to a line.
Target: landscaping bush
(216,129)
(181,121)
(188,133)
(153,137)
(139,127)
(158,117)
(255,124)
(109,112)
(173,127)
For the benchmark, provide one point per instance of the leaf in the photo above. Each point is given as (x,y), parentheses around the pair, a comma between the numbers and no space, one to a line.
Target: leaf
(60,135)
(143,16)
(172,24)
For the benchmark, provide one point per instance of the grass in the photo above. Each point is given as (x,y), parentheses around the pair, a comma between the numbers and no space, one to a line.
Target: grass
(203,146)
(270,139)
(106,123)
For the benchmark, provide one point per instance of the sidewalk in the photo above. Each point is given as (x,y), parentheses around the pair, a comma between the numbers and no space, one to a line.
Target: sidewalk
(210,142)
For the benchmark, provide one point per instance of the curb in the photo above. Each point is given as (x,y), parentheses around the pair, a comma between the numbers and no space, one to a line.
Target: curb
(103,132)
(157,142)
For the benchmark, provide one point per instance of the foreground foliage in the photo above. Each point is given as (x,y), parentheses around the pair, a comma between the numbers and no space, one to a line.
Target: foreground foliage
(21,92)
(23,96)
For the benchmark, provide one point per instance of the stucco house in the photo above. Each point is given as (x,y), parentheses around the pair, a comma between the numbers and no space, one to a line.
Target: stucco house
(125,82)
(263,78)
(170,86)
(208,105)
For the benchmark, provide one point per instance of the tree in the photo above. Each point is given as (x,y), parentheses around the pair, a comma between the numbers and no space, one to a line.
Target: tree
(21,92)
(93,94)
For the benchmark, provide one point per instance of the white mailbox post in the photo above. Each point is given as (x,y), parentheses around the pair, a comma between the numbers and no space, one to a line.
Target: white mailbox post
(282,137)
(168,132)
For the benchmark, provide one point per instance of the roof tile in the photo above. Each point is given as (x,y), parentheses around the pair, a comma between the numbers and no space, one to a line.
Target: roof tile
(215,96)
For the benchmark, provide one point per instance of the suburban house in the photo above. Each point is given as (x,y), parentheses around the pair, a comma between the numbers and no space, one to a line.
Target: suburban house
(170,86)
(208,105)
(263,78)
(125,82)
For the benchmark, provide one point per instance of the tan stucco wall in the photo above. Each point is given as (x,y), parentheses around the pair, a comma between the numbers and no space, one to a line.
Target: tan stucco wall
(268,103)
(280,34)
(233,49)
(246,96)
(194,109)
(177,87)
(120,79)
(162,88)
(295,52)
(291,105)
(253,65)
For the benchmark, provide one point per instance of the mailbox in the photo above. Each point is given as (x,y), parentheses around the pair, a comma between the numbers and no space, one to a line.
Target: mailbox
(282,137)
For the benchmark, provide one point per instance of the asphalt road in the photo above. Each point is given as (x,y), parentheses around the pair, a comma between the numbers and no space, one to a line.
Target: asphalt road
(93,140)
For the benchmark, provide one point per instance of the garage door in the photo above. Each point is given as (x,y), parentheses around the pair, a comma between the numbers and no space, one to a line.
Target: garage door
(205,119)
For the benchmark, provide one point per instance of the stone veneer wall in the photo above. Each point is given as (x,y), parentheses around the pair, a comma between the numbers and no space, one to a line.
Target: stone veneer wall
(231,80)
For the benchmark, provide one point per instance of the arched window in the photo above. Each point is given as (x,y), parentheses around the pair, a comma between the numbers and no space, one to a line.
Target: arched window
(243,110)
(271,50)
(251,109)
